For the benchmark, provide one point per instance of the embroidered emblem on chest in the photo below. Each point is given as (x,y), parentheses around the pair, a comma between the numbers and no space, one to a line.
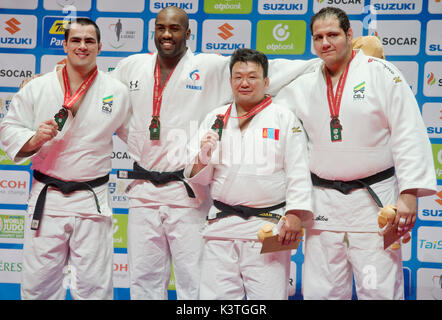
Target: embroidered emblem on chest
(359,92)
(107,104)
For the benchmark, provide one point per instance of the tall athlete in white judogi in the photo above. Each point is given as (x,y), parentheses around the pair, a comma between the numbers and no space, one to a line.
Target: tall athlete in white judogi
(379,127)
(171,91)
(76,226)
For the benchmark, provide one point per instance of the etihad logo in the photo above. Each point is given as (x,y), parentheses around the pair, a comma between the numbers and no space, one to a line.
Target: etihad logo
(225,31)
(12,25)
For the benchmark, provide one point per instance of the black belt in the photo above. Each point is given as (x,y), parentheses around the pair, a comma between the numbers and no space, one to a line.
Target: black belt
(157,178)
(65,187)
(346,187)
(246,212)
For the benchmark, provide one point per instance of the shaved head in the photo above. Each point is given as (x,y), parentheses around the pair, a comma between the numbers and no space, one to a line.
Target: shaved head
(175,11)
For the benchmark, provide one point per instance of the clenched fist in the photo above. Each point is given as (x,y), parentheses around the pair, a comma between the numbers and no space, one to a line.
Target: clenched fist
(46,131)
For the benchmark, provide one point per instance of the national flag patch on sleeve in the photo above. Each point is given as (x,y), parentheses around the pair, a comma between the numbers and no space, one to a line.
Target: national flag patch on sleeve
(270,133)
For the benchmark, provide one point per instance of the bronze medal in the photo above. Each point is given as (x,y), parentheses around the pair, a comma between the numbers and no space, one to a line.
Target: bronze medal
(60,117)
(335,130)
(154,128)
(218,125)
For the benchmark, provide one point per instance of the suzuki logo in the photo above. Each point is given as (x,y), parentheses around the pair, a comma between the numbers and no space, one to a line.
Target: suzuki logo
(225,28)
(439,194)
(12,23)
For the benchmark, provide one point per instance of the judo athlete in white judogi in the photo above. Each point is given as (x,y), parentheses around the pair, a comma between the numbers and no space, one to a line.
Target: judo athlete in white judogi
(72,227)
(380,138)
(171,91)
(257,173)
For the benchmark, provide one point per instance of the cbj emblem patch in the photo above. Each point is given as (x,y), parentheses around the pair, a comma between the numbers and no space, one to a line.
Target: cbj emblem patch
(107,104)
(358,92)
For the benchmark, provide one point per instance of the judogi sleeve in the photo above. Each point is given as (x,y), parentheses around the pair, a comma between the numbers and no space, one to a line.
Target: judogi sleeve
(123,130)
(119,71)
(410,145)
(298,181)
(18,125)
(284,71)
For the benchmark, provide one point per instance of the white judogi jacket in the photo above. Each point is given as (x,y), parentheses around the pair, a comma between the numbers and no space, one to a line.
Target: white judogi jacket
(199,83)
(382,127)
(81,151)
(263,167)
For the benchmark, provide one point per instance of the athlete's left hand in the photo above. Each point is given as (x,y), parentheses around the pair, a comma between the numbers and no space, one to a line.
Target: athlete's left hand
(291,229)
(406,211)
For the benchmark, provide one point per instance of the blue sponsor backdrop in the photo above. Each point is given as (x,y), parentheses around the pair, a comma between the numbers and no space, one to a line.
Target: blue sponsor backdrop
(31,34)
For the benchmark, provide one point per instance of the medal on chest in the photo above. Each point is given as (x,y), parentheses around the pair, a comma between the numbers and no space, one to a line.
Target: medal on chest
(69,100)
(218,125)
(154,128)
(335,130)
(61,117)
(334,102)
(221,119)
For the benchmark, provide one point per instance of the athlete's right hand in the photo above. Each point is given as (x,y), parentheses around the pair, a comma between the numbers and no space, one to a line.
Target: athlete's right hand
(209,143)
(46,131)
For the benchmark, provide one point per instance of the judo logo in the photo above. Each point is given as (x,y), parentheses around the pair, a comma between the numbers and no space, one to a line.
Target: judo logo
(358,92)
(107,104)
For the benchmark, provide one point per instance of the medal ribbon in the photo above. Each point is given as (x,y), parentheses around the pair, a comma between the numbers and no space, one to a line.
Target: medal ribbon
(69,100)
(158,90)
(256,109)
(334,101)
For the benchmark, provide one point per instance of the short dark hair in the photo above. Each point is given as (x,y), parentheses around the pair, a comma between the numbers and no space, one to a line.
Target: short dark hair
(246,55)
(84,22)
(327,12)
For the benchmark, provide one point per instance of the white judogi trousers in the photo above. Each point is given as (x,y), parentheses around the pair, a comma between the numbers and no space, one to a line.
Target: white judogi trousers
(86,244)
(235,269)
(155,235)
(332,258)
